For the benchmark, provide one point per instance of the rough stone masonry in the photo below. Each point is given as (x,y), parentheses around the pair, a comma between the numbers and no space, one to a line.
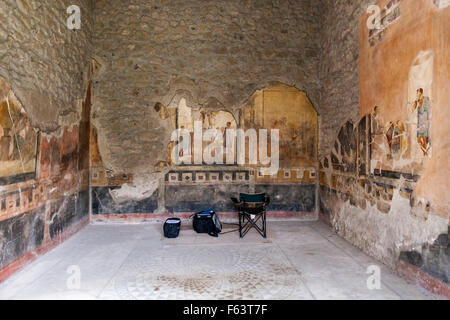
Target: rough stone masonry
(45,63)
(216,53)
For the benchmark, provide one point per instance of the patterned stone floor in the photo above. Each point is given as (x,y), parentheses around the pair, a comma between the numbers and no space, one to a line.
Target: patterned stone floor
(299,260)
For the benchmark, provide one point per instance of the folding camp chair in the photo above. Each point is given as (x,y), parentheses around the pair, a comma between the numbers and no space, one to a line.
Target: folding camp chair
(252,212)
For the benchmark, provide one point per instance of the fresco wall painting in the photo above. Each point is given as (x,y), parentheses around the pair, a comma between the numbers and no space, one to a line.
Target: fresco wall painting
(43,183)
(18,142)
(392,205)
(178,187)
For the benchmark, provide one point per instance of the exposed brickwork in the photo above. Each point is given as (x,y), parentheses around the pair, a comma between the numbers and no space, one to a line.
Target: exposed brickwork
(339,67)
(46,66)
(44,62)
(216,54)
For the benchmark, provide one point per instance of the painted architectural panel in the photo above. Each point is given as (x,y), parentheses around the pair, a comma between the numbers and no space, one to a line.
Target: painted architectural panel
(290,111)
(397,200)
(18,140)
(408,97)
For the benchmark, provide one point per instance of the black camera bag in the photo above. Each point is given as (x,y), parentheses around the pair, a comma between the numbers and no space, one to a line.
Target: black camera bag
(207,222)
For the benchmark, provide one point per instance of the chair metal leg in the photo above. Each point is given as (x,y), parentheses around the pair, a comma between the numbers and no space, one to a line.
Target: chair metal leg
(265,224)
(240,224)
(248,223)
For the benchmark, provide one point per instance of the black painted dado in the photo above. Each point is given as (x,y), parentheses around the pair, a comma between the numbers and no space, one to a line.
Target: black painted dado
(324,209)
(290,197)
(434,259)
(25,232)
(21,234)
(82,207)
(103,203)
(17,178)
(68,211)
(195,198)
(198,197)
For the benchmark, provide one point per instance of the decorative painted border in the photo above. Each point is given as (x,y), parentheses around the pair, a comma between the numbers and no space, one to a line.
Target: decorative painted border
(207,176)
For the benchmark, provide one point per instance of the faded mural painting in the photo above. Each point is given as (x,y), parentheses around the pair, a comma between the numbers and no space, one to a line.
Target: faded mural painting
(18,139)
(43,182)
(290,111)
(403,144)
(371,184)
(189,186)
(185,119)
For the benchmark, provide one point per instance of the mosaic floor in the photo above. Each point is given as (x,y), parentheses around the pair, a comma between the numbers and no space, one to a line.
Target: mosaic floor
(299,260)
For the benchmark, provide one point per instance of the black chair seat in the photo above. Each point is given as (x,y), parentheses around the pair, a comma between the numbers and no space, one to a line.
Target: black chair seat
(255,211)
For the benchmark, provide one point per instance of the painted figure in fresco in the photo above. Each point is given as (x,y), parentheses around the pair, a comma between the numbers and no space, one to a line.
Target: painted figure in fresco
(394,137)
(390,136)
(5,146)
(423,107)
(377,131)
(377,128)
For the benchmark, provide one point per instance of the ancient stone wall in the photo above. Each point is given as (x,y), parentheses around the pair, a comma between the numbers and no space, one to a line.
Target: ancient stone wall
(339,67)
(213,54)
(44,127)
(384,184)
(150,57)
(44,62)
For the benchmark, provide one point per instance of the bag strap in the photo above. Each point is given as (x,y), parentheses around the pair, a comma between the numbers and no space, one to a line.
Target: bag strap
(213,234)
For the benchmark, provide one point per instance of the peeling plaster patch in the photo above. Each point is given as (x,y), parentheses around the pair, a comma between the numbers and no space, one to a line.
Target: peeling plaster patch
(328,170)
(142,188)
(441,4)
(385,236)
(96,69)
(71,118)
(59,133)
(102,148)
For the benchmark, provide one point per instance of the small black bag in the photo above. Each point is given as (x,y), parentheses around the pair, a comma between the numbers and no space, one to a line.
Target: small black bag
(172,228)
(207,222)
